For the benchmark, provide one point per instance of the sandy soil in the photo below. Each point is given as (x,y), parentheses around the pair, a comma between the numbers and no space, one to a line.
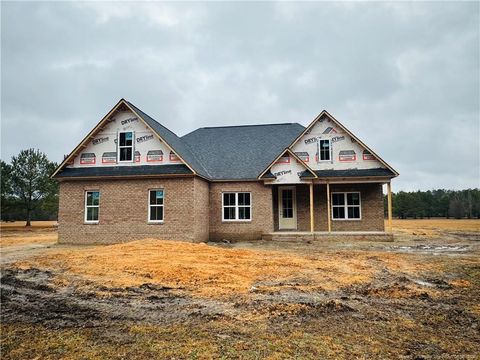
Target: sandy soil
(414,298)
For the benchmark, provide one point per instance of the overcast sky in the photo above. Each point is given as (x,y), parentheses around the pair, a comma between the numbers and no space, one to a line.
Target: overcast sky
(404,77)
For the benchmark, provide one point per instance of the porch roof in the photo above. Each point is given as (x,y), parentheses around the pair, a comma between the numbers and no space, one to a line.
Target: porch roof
(380,172)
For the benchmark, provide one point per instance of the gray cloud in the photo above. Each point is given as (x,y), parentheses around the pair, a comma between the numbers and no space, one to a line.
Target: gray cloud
(403,76)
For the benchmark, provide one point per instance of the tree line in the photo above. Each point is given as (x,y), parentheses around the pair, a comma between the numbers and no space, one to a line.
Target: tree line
(27,192)
(457,204)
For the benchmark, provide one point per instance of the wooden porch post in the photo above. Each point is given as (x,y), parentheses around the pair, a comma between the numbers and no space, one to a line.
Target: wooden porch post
(312,221)
(389,202)
(328,208)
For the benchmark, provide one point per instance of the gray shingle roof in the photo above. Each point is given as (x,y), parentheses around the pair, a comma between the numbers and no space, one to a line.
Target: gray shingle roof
(240,152)
(106,171)
(351,173)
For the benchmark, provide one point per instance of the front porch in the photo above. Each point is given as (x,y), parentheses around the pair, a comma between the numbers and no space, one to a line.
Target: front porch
(316,210)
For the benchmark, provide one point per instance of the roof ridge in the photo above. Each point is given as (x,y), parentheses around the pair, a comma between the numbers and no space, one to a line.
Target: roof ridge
(246,125)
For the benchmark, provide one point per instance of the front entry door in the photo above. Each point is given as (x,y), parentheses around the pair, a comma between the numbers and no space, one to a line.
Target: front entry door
(287,208)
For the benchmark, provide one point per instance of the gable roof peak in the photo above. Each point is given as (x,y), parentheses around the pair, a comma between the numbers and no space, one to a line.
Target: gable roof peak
(338,123)
(168,137)
(290,152)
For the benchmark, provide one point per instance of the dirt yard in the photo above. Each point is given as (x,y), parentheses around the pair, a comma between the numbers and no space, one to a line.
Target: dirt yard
(415,298)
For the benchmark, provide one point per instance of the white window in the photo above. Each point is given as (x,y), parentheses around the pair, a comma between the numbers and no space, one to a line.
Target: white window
(125,146)
(155,205)
(237,206)
(92,206)
(346,206)
(324,150)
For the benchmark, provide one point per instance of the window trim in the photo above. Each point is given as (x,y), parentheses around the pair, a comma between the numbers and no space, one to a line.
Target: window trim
(345,205)
(120,147)
(329,150)
(85,207)
(149,205)
(237,207)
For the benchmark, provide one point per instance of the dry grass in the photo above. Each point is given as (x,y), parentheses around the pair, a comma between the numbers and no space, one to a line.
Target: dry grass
(20,225)
(435,227)
(16,234)
(210,340)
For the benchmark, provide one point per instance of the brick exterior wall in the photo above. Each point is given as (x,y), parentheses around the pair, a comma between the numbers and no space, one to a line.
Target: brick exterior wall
(371,196)
(371,208)
(262,214)
(193,210)
(123,211)
(201,210)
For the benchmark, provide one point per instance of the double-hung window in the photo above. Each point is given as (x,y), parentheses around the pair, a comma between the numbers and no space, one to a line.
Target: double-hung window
(125,146)
(237,206)
(324,150)
(155,205)
(346,206)
(92,206)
